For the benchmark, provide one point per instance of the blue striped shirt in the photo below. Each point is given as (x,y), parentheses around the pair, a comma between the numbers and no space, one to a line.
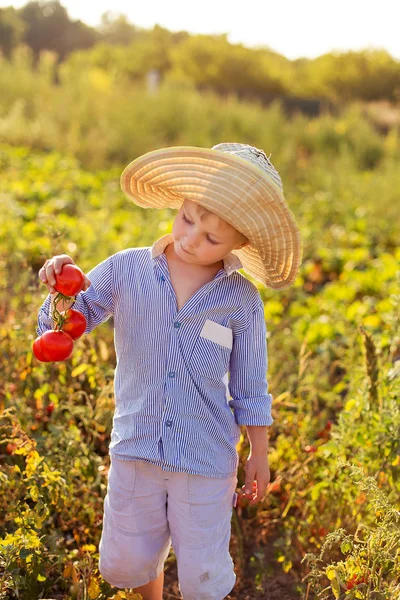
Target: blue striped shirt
(184,380)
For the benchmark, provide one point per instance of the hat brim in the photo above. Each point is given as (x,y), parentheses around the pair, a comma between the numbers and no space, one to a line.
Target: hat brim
(232,188)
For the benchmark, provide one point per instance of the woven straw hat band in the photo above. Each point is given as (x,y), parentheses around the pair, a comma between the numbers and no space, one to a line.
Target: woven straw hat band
(255,156)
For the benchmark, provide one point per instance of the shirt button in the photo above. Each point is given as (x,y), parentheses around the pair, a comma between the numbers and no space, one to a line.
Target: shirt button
(162,278)
(168,423)
(177,325)
(171,374)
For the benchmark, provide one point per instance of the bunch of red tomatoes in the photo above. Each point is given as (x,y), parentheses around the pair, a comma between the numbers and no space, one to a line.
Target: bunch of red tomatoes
(57,344)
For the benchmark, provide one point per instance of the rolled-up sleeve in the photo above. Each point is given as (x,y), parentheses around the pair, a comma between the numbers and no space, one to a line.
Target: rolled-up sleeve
(96,303)
(248,384)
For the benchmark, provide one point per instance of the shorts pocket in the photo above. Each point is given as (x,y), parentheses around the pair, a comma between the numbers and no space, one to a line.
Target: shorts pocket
(210,359)
(121,483)
(210,499)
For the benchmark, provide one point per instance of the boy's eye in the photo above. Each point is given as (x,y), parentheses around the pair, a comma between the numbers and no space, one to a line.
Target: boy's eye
(184,217)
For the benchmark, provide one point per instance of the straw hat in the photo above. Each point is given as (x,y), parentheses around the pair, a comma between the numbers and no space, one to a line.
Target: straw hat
(238,183)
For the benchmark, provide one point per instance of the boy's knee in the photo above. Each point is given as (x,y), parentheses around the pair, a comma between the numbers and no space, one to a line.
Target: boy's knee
(133,567)
(197,583)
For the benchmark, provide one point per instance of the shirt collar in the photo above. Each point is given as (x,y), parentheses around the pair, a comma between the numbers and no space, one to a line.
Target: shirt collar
(231,261)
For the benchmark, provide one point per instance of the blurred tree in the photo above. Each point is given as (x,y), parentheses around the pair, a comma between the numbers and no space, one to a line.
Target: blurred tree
(116,29)
(151,53)
(208,62)
(48,27)
(366,75)
(211,62)
(12,29)
(77,36)
(46,23)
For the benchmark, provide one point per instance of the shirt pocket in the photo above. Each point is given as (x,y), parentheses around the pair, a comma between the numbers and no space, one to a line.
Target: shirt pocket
(212,350)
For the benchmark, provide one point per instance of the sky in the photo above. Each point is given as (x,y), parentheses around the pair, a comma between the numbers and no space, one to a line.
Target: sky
(305,28)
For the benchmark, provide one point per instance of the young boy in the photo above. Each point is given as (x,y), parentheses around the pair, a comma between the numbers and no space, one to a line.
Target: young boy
(190,341)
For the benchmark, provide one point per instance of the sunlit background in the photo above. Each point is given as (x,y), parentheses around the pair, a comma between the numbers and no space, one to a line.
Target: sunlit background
(294,29)
(83,91)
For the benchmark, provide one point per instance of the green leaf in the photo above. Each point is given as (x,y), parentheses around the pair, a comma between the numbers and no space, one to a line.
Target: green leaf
(287,565)
(335,587)
(25,552)
(79,370)
(329,449)
(345,547)
(350,404)
(34,493)
(331,573)
(317,489)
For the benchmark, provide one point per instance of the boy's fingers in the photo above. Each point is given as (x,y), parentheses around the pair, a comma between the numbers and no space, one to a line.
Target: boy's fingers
(249,482)
(256,499)
(51,268)
(42,272)
(43,279)
(261,491)
(249,487)
(60,262)
(50,274)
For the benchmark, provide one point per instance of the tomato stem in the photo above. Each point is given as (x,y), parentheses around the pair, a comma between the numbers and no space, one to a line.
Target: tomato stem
(58,318)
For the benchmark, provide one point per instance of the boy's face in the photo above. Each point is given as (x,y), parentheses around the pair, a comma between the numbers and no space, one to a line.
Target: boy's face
(201,237)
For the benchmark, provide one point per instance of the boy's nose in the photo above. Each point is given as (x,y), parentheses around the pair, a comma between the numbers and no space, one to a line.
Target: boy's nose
(192,241)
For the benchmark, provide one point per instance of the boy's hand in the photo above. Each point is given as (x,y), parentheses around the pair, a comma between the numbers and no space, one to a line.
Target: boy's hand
(54,266)
(257,478)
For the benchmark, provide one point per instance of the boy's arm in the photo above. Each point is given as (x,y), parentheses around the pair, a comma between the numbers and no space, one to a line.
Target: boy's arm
(251,401)
(248,384)
(258,438)
(96,303)
(257,466)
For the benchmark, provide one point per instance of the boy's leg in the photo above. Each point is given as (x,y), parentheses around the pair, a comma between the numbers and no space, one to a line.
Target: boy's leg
(135,538)
(199,515)
(152,590)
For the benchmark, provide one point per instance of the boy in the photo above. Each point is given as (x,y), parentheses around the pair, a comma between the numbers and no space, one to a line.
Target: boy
(190,341)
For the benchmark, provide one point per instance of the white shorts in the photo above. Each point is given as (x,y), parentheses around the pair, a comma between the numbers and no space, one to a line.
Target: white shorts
(146,509)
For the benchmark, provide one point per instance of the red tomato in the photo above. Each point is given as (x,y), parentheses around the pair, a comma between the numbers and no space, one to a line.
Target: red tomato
(254,490)
(10,448)
(362,579)
(275,486)
(310,448)
(75,324)
(56,345)
(355,580)
(37,349)
(70,281)
(350,583)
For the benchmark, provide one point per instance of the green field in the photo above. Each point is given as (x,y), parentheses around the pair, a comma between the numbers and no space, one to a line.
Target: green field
(330,524)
